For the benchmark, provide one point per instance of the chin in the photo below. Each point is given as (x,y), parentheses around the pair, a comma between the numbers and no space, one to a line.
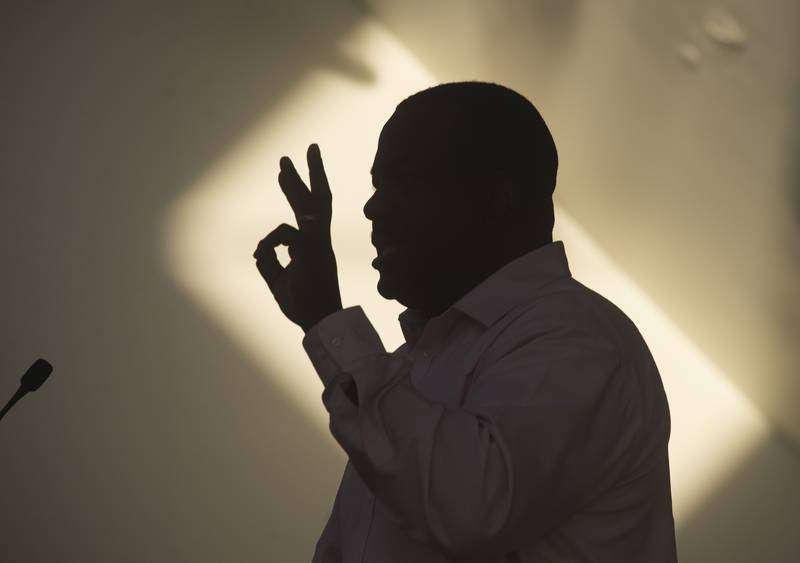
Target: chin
(390,291)
(385,289)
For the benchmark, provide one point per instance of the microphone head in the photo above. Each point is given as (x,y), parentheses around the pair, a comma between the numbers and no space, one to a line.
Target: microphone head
(36,375)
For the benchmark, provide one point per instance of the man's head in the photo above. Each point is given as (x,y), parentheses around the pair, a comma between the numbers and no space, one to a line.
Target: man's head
(464,176)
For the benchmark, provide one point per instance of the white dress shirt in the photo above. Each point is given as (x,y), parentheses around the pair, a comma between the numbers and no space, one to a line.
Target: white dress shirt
(526,423)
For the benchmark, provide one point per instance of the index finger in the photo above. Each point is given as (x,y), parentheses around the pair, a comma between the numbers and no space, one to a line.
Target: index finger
(316,173)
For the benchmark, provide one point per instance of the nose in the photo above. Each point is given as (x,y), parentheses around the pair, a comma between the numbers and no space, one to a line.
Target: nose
(377,211)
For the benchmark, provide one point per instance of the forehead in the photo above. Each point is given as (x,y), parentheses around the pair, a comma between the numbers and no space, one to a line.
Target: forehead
(409,141)
(398,164)
(429,154)
(407,161)
(410,177)
(396,173)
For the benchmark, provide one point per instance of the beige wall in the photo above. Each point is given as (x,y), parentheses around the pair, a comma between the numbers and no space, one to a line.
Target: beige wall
(156,438)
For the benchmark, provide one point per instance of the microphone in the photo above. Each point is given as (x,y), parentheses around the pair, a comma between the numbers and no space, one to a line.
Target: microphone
(39,371)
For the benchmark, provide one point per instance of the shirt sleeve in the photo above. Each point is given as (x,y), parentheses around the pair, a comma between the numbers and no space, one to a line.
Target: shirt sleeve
(329,545)
(547,423)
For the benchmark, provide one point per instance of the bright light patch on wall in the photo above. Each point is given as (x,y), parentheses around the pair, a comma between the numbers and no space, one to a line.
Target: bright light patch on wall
(211,232)
(714,425)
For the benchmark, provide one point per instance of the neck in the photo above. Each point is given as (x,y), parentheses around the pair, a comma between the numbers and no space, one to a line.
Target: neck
(469,274)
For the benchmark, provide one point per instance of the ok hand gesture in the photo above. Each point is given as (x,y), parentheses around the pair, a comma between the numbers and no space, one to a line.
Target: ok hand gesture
(307,289)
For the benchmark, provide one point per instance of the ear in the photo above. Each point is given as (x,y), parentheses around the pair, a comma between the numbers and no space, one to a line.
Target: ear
(502,197)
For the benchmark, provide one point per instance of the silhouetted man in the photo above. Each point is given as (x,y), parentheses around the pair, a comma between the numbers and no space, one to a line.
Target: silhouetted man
(524,419)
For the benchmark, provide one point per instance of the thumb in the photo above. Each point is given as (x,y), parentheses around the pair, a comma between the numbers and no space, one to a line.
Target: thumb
(267,261)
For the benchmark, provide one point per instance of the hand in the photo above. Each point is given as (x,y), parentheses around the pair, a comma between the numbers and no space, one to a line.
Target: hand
(307,289)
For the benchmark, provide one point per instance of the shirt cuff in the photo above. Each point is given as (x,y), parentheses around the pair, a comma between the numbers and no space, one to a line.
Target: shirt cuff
(340,340)
(358,375)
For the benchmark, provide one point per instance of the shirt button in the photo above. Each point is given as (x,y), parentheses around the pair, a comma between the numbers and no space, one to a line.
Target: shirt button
(336,341)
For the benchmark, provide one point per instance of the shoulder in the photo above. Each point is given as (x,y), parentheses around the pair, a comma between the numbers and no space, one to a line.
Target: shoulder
(563,310)
(574,308)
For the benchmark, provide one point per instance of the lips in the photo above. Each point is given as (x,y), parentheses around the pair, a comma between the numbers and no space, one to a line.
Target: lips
(386,252)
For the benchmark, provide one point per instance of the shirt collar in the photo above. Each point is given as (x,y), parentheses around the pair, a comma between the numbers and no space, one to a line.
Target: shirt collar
(506,288)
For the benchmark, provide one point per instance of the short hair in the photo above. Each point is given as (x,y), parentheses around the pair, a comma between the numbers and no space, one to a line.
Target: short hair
(491,129)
